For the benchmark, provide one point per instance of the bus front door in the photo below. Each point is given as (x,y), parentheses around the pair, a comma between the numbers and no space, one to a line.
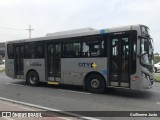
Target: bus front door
(19,55)
(54,61)
(119,61)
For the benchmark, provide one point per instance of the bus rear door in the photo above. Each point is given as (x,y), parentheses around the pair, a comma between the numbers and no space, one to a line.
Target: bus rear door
(54,61)
(19,56)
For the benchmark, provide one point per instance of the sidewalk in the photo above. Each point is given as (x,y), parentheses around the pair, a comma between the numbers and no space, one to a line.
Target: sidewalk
(13,109)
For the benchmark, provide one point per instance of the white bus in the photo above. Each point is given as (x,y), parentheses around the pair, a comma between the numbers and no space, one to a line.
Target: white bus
(120,57)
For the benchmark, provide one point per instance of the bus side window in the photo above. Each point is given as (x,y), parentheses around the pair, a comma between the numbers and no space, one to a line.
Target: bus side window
(93,46)
(26,49)
(93,49)
(10,51)
(71,50)
(40,50)
(85,50)
(58,51)
(34,50)
(76,49)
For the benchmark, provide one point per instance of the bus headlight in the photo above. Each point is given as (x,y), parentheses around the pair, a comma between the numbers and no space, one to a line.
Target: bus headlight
(145,75)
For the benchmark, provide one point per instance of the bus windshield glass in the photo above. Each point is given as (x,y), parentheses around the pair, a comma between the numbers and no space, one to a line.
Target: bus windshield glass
(146,52)
(145,31)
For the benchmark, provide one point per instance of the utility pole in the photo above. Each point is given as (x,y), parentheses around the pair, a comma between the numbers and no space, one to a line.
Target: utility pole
(30,30)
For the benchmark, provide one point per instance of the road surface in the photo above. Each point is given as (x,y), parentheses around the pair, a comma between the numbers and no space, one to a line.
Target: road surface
(72,98)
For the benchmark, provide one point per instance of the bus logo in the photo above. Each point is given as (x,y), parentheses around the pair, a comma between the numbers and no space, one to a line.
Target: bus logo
(87,65)
(93,65)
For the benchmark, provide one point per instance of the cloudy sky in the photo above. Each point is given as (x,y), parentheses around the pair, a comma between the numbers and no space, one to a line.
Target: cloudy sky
(48,16)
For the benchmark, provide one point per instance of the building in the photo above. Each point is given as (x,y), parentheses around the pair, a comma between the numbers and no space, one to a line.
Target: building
(156,54)
(2,49)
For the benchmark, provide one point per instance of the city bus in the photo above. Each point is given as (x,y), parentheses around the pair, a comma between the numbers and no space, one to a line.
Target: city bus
(119,57)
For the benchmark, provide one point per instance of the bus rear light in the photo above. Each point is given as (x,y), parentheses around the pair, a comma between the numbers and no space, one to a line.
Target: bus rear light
(134,77)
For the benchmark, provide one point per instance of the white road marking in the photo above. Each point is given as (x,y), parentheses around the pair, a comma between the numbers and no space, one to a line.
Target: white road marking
(90,118)
(64,118)
(7,118)
(158,103)
(14,84)
(74,91)
(44,108)
(29,104)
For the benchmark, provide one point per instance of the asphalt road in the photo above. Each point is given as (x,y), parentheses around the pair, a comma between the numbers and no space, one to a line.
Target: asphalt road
(73,98)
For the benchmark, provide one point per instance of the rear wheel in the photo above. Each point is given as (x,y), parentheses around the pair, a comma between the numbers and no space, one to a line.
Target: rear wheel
(95,83)
(32,78)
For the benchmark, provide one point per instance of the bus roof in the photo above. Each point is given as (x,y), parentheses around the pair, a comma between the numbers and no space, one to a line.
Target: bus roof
(75,33)
(70,32)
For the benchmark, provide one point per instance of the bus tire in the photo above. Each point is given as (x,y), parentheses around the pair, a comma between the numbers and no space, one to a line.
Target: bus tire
(95,83)
(32,78)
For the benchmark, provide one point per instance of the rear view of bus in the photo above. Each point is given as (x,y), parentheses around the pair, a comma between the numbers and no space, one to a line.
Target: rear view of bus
(120,57)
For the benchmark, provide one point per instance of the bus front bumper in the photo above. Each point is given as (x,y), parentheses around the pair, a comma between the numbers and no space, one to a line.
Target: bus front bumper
(146,83)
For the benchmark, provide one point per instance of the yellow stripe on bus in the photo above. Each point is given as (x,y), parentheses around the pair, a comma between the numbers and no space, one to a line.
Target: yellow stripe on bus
(53,83)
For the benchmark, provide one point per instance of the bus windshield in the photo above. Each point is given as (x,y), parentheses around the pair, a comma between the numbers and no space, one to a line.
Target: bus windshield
(146,52)
(145,31)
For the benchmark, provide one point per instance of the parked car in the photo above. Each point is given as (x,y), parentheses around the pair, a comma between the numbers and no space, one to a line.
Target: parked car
(3,61)
(157,66)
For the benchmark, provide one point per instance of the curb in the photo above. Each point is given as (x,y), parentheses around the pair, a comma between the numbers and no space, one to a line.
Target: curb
(48,109)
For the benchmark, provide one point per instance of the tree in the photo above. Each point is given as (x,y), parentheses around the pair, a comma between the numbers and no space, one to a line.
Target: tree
(156,59)
(156,54)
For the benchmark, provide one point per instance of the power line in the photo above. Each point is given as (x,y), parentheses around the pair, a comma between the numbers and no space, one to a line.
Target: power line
(29,29)
(10,28)
(10,36)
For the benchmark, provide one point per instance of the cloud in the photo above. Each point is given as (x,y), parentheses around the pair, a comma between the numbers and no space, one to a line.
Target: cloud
(48,16)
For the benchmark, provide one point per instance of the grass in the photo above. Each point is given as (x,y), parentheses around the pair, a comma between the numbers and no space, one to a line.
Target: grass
(157,78)
(2,70)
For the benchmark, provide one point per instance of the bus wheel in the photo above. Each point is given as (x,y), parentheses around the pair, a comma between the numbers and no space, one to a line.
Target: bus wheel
(33,78)
(95,83)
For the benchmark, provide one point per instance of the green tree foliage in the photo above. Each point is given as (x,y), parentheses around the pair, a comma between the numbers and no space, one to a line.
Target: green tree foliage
(156,54)
(156,59)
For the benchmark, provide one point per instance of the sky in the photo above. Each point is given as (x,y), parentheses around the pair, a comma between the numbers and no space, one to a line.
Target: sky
(48,16)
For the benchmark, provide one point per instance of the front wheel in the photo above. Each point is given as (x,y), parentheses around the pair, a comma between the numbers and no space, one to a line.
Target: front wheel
(32,78)
(95,83)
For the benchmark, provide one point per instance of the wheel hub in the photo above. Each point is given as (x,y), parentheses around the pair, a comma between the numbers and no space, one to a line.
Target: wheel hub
(32,79)
(95,83)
